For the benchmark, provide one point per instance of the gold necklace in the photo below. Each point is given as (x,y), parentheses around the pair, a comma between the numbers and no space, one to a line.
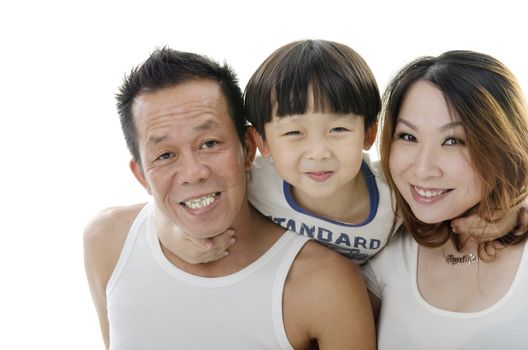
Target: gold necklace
(464,259)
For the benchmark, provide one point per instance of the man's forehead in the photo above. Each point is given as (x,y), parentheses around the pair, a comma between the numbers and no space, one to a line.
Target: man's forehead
(187,101)
(195,126)
(180,98)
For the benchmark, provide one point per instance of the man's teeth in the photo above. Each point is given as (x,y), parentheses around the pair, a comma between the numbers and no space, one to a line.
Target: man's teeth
(428,194)
(201,202)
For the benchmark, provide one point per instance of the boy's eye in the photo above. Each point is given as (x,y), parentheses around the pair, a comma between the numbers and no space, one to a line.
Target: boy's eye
(292,133)
(339,129)
(209,144)
(453,141)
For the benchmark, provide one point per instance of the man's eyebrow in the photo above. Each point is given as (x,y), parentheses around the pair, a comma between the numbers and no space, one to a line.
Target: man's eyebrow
(156,139)
(207,125)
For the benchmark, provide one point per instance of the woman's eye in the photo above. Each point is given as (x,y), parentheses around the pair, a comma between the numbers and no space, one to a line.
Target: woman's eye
(452,141)
(406,137)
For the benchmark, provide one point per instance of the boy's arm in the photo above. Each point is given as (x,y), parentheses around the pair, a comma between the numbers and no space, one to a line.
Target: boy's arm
(326,301)
(474,224)
(201,250)
(195,250)
(104,238)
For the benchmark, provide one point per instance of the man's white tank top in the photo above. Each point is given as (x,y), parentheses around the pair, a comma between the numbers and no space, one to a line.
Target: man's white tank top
(154,305)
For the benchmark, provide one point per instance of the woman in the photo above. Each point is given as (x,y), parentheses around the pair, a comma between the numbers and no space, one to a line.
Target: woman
(454,142)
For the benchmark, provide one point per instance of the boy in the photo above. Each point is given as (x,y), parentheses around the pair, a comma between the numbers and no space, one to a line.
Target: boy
(314,106)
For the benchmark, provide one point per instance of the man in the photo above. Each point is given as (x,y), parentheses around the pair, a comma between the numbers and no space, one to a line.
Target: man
(183,120)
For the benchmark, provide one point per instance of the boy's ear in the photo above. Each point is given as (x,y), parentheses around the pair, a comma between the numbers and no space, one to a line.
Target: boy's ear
(139,174)
(250,148)
(261,143)
(370,136)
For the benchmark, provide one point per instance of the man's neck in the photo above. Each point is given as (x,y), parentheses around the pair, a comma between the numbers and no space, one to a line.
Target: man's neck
(254,235)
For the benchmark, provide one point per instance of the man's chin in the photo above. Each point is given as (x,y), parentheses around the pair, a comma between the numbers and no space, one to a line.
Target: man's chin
(206,234)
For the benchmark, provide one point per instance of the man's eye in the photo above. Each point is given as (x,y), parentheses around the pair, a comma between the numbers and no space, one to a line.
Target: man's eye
(209,144)
(166,155)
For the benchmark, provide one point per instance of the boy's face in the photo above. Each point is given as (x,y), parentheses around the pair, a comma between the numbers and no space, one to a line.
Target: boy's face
(319,154)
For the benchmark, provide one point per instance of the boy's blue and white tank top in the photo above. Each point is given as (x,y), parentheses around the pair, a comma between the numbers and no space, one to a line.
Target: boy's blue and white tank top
(272,196)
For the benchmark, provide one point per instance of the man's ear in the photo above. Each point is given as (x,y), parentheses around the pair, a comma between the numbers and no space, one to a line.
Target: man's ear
(139,175)
(370,136)
(250,147)
(261,143)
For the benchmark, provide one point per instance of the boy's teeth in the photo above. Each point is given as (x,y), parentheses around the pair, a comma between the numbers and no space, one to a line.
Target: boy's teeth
(201,202)
(428,194)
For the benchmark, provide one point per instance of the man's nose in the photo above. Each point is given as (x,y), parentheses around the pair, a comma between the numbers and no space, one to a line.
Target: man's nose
(192,170)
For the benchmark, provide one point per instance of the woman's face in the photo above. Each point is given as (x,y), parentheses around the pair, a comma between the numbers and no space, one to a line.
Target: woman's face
(429,160)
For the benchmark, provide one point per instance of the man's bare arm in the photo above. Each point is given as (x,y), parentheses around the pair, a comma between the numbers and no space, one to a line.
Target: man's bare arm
(104,238)
(326,301)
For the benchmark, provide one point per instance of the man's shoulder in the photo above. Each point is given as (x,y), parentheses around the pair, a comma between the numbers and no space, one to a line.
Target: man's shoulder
(325,297)
(317,267)
(112,219)
(106,233)
(104,238)
(317,259)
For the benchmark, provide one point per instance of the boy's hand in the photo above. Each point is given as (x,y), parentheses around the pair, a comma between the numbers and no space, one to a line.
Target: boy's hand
(204,250)
(487,231)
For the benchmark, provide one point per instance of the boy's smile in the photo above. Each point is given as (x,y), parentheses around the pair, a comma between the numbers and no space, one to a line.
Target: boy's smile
(319,176)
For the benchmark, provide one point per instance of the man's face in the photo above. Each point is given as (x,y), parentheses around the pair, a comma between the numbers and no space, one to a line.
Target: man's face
(193,163)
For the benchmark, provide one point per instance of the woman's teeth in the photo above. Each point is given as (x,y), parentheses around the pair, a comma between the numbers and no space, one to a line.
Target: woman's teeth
(428,193)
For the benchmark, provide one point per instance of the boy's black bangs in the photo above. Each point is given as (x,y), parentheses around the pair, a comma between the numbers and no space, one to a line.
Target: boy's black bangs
(331,94)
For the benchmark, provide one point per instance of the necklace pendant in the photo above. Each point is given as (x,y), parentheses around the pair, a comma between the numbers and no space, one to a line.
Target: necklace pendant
(457,260)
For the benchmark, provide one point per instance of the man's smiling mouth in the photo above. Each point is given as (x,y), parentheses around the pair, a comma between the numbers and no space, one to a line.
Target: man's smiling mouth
(201,202)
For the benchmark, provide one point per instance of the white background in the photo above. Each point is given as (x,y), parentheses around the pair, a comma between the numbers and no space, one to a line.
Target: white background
(63,156)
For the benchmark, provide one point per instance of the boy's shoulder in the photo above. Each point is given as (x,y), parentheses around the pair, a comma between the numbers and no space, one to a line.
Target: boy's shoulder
(264,180)
(373,165)
(261,164)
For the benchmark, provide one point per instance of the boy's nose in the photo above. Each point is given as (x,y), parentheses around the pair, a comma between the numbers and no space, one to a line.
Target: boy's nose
(318,151)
